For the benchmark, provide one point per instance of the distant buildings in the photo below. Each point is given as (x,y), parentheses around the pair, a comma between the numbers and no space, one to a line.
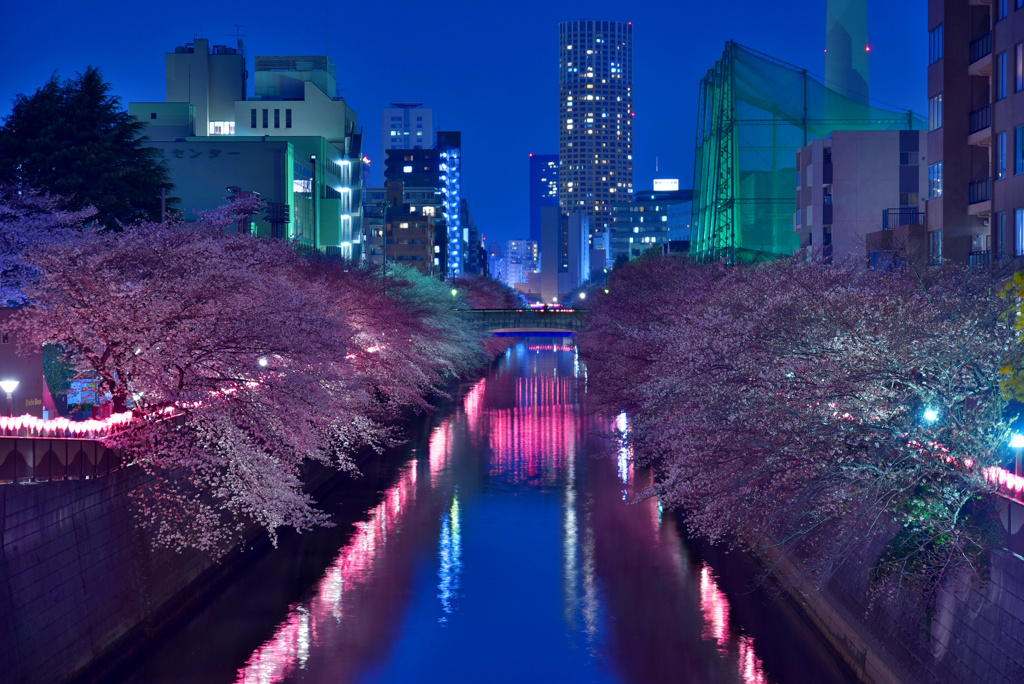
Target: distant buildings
(518,263)
(402,227)
(406,126)
(647,221)
(595,140)
(440,168)
(543,188)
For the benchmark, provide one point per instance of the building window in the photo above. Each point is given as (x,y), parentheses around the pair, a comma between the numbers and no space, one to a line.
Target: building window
(1018,149)
(908,199)
(1000,250)
(252,123)
(935,180)
(287,118)
(1001,156)
(935,112)
(1001,84)
(1003,4)
(266,118)
(277,118)
(935,44)
(152,115)
(1018,70)
(935,247)
(1018,232)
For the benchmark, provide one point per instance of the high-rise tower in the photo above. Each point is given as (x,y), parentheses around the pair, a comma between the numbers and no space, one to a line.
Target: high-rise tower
(595,141)
(846,57)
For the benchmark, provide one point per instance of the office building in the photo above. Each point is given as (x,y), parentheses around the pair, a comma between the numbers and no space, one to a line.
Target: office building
(406,126)
(644,222)
(295,142)
(211,80)
(595,141)
(519,261)
(543,188)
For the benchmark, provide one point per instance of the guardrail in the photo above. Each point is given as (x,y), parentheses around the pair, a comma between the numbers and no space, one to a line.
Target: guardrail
(41,459)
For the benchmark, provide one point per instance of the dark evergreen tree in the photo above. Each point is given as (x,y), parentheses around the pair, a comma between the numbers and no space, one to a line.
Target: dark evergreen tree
(71,139)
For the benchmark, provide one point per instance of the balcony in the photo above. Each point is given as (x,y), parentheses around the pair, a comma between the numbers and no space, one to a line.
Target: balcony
(980,56)
(980,127)
(980,259)
(902,216)
(980,197)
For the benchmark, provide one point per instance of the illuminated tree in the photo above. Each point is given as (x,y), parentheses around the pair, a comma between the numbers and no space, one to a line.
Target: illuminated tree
(782,406)
(241,360)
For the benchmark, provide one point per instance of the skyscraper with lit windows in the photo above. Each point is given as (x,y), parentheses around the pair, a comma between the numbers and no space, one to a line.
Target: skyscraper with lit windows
(595,141)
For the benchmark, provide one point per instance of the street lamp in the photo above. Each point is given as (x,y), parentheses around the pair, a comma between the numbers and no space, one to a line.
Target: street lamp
(583,295)
(9,386)
(1017,444)
(455,293)
(263,362)
(931,415)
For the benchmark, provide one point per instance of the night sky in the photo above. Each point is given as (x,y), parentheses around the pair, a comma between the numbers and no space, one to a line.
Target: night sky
(488,69)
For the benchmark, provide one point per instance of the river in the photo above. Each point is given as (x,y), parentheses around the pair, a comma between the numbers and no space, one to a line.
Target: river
(502,543)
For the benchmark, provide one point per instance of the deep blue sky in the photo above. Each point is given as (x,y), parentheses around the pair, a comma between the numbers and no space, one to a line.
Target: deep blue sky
(489,69)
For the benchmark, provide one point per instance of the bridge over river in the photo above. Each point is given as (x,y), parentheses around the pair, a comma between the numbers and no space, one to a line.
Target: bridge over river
(526,322)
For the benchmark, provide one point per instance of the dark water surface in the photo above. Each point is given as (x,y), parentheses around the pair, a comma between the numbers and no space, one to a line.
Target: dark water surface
(495,547)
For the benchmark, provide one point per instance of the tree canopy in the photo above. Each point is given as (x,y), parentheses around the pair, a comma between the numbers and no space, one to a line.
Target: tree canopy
(240,359)
(72,140)
(807,408)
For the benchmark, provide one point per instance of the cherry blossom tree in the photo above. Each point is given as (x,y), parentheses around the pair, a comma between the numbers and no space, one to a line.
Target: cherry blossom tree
(29,218)
(783,405)
(241,360)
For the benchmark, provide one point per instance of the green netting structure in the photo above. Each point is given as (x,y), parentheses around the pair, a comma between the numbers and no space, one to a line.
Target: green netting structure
(755,113)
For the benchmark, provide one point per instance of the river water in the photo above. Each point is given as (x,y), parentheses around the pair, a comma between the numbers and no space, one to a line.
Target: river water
(501,544)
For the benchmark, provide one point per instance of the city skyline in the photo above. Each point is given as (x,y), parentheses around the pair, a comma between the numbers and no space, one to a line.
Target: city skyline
(381,60)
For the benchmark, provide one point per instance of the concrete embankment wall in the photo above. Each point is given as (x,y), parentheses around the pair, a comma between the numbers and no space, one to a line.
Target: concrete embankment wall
(974,633)
(77,577)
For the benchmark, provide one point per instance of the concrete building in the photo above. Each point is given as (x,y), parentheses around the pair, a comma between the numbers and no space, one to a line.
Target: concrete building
(211,80)
(400,228)
(296,142)
(975,201)
(543,188)
(595,140)
(852,184)
(643,222)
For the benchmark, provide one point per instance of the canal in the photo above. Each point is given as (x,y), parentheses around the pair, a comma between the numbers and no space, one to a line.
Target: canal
(500,544)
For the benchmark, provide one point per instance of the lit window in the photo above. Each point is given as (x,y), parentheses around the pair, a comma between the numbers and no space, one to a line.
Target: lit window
(406,169)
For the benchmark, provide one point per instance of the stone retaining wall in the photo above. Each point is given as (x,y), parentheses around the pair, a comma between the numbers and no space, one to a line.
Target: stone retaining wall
(76,575)
(974,633)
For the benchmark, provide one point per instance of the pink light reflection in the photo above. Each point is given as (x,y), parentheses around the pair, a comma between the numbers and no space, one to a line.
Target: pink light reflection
(715,607)
(287,650)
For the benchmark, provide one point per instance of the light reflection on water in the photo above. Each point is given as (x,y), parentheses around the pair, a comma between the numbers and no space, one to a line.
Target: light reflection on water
(508,485)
